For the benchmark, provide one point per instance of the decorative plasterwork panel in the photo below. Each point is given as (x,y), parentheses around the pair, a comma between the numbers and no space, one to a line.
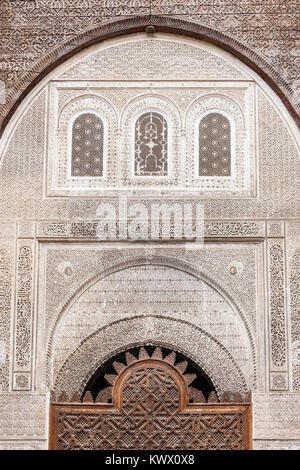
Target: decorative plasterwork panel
(212,229)
(5,312)
(293,280)
(277,155)
(22,176)
(144,58)
(175,154)
(234,229)
(276,415)
(24,307)
(26,229)
(60,179)
(189,339)
(72,269)
(277,309)
(270,444)
(182,135)
(22,167)
(23,415)
(153,290)
(89,264)
(275,228)
(7,230)
(23,445)
(279,381)
(293,230)
(22,381)
(295,317)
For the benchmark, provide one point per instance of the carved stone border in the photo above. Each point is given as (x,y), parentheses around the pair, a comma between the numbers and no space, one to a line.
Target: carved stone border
(59,182)
(137,24)
(23,416)
(109,340)
(240,164)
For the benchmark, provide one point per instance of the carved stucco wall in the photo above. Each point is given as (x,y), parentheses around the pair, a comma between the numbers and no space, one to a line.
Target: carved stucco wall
(6,290)
(265,266)
(293,283)
(276,417)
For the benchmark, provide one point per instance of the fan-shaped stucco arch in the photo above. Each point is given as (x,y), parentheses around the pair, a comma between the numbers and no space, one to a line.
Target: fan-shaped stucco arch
(192,341)
(135,24)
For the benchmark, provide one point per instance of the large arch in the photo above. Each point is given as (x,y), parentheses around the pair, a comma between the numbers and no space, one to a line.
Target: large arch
(160,23)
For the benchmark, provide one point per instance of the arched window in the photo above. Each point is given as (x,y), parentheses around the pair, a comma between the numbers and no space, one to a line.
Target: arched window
(151,145)
(214,145)
(87,145)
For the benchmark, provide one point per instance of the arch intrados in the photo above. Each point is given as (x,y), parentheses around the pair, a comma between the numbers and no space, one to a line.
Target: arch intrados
(135,24)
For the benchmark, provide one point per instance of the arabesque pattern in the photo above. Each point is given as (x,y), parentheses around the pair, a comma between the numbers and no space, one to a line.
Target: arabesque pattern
(33,33)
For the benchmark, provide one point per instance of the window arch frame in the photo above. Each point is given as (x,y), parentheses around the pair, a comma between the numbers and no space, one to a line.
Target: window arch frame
(70,139)
(169,142)
(230,118)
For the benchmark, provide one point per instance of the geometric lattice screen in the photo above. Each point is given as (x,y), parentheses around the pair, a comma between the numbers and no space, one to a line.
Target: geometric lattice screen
(151,145)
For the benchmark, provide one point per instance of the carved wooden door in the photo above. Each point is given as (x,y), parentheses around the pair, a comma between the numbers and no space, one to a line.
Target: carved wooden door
(150,410)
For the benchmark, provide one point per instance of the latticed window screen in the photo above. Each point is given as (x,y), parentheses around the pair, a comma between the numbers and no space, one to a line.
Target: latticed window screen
(151,145)
(87,145)
(214,145)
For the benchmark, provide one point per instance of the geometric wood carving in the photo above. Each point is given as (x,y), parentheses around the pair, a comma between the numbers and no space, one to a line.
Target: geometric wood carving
(150,410)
